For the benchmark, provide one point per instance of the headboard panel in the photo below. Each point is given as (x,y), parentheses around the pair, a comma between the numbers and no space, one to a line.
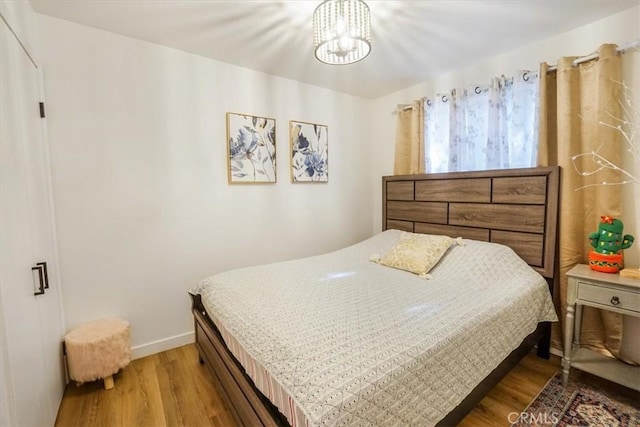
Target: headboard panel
(515,207)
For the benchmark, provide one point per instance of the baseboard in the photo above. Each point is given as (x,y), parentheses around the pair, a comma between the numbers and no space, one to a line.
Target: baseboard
(154,347)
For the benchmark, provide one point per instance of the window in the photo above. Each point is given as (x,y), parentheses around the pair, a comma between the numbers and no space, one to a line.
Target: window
(490,127)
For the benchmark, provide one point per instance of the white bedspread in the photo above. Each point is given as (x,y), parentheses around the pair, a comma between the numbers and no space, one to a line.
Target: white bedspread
(339,340)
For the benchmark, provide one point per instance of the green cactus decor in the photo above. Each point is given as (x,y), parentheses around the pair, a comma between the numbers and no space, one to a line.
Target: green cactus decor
(608,243)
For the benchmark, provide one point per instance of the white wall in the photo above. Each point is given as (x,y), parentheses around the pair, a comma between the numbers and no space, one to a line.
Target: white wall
(138,143)
(621,28)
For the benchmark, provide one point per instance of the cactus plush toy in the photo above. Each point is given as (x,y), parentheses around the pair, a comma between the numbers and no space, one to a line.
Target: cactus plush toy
(608,243)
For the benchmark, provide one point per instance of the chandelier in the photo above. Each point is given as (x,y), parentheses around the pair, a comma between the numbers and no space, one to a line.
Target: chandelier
(342,31)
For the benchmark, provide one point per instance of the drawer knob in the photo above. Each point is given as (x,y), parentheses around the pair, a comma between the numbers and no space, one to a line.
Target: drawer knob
(615,301)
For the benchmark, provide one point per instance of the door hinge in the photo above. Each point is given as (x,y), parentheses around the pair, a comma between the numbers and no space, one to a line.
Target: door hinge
(42,110)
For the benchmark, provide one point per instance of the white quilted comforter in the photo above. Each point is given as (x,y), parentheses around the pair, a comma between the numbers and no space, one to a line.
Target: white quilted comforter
(339,340)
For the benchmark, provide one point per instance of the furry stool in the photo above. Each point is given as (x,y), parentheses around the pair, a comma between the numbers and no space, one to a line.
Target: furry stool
(98,349)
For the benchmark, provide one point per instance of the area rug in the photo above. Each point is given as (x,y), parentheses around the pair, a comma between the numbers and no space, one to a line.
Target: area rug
(576,406)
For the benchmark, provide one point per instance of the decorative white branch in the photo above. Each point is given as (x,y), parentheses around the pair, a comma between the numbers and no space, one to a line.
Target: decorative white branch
(628,126)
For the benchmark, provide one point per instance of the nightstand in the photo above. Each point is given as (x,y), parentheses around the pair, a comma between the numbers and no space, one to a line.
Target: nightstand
(608,292)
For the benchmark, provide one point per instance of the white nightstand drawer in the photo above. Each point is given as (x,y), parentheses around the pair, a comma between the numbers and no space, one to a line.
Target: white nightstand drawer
(611,297)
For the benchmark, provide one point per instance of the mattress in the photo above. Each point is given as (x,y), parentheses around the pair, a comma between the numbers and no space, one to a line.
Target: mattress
(339,340)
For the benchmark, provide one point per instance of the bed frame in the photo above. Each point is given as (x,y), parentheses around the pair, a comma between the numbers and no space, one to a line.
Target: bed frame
(515,207)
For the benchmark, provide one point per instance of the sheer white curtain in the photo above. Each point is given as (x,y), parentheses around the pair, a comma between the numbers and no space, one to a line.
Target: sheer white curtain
(483,127)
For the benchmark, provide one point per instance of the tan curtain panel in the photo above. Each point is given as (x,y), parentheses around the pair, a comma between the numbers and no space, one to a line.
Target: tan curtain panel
(574,101)
(409,157)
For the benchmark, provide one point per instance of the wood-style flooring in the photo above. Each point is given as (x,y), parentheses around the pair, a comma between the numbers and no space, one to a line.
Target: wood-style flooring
(170,388)
(173,389)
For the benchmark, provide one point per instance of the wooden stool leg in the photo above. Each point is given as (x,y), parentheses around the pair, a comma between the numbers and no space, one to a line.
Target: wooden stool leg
(108,382)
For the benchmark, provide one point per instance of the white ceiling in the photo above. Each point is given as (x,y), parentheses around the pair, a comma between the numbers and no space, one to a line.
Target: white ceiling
(412,41)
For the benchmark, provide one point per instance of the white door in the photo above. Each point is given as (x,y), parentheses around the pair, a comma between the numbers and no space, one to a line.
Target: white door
(42,225)
(31,324)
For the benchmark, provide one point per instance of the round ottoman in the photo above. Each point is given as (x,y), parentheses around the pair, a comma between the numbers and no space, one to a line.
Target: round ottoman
(98,349)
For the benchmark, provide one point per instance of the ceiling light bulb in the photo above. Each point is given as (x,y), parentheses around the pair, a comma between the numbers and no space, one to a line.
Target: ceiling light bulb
(345,43)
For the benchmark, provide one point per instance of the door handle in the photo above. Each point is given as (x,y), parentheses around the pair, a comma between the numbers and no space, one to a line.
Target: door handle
(40,270)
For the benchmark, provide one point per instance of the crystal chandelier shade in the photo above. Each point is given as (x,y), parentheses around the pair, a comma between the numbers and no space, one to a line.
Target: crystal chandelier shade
(342,31)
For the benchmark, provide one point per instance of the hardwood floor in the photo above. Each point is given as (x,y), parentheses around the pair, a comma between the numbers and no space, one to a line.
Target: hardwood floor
(513,393)
(166,389)
(173,389)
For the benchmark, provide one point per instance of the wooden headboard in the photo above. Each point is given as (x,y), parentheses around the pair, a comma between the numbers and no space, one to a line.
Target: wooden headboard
(515,207)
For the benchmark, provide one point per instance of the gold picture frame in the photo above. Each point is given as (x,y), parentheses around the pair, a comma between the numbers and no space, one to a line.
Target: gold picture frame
(251,149)
(309,144)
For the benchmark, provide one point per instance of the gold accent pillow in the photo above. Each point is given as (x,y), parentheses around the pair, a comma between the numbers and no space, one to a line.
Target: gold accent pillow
(416,253)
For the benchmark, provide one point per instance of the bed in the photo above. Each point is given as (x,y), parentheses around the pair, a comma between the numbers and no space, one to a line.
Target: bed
(353,354)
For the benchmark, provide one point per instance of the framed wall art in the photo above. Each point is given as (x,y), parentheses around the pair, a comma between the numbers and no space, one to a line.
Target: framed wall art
(251,149)
(309,152)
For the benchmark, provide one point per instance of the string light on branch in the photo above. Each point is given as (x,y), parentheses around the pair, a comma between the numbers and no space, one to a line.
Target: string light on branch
(628,126)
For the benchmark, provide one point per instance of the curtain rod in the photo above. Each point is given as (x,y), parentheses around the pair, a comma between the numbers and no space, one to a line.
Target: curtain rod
(406,107)
(621,49)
